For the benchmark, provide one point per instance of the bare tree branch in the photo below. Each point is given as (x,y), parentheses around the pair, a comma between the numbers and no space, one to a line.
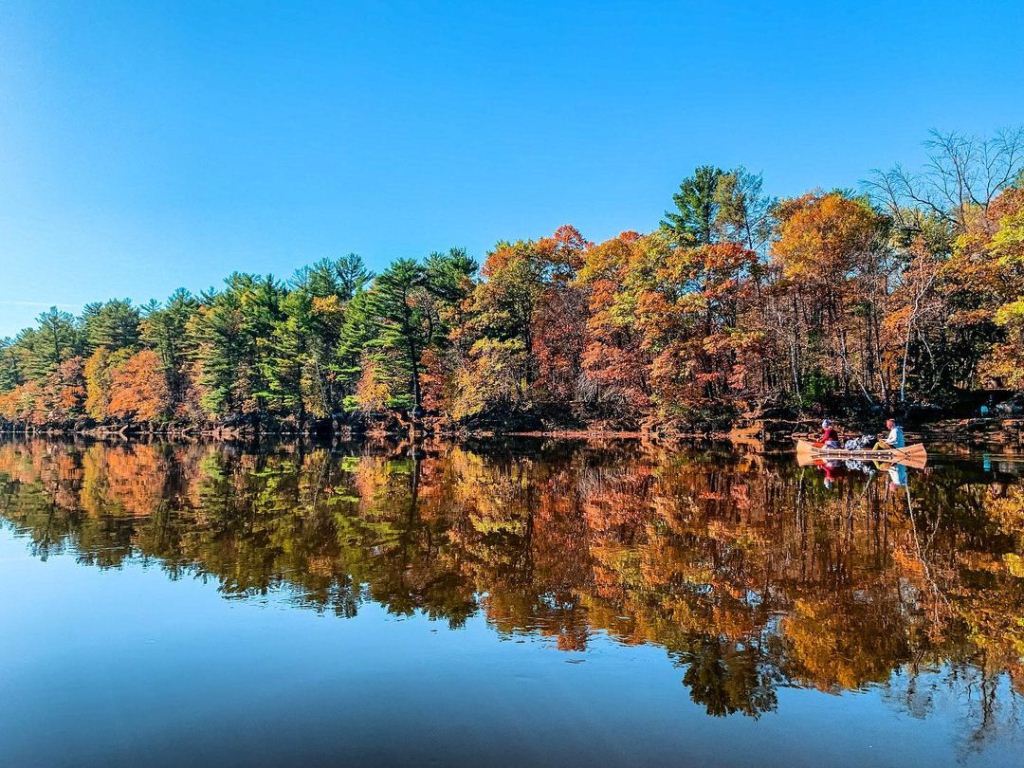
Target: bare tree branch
(962,172)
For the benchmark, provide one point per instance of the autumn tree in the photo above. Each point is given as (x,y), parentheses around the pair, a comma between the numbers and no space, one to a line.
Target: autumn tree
(835,270)
(1003,362)
(561,318)
(65,387)
(952,211)
(529,311)
(138,389)
(98,384)
(615,358)
(689,302)
(503,305)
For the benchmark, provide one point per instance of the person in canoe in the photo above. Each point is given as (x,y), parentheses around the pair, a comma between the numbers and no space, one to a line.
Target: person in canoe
(894,439)
(829,437)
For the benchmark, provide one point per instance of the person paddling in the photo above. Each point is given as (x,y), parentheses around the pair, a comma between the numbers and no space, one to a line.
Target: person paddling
(829,437)
(895,437)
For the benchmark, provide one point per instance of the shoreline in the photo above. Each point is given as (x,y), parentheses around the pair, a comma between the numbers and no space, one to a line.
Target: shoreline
(768,435)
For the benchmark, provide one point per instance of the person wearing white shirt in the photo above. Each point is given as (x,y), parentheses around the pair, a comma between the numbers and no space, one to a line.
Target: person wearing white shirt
(895,437)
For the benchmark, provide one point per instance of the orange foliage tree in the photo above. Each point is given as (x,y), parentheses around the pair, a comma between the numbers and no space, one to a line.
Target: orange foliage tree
(139,389)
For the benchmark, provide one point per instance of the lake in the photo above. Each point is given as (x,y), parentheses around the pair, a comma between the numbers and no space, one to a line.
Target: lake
(518,603)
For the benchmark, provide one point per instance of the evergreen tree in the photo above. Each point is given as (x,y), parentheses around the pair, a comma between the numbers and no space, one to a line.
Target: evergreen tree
(233,337)
(42,349)
(291,364)
(354,337)
(10,375)
(449,276)
(409,309)
(341,277)
(113,324)
(401,326)
(697,205)
(165,330)
(305,372)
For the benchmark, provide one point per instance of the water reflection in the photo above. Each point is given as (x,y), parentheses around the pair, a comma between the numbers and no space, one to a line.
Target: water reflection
(751,574)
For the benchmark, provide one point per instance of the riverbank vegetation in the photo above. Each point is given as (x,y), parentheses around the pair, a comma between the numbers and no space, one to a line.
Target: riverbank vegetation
(905,294)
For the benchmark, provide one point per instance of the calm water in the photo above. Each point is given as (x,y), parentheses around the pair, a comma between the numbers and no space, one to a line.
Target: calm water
(540,603)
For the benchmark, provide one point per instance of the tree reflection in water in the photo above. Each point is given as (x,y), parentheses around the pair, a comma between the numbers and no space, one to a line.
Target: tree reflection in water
(750,573)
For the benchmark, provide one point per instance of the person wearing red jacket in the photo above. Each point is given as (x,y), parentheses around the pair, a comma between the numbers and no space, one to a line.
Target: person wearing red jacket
(829,437)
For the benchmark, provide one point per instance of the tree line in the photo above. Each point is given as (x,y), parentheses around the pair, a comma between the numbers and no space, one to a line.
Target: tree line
(906,292)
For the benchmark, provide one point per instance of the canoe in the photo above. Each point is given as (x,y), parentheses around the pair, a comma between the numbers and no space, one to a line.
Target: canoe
(911,455)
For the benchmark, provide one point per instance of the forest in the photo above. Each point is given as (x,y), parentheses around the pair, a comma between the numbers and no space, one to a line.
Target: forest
(906,293)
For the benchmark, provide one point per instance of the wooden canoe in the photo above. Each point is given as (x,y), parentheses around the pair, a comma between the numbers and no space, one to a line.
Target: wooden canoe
(911,455)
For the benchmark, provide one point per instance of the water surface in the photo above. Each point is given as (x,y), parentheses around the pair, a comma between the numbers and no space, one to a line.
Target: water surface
(526,603)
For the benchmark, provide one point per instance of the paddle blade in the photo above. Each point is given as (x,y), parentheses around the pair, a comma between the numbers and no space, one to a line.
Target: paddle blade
(804,447)
(804,459)
(912,456)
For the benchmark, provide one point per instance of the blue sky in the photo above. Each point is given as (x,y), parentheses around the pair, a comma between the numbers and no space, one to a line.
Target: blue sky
(146,146)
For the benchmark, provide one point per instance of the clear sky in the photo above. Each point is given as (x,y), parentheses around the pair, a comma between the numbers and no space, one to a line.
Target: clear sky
(146,146)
